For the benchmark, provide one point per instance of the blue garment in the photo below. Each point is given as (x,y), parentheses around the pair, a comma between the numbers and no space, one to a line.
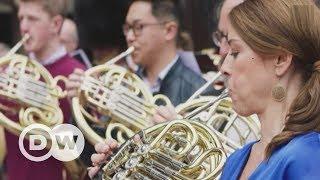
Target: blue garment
(299,159)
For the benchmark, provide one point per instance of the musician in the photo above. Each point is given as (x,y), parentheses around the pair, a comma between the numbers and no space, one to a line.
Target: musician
(271,73)
(274,71)
(42,20)
(220,35)
(69,38)
(161,68)
(165,113)
(153,28)
(145,19)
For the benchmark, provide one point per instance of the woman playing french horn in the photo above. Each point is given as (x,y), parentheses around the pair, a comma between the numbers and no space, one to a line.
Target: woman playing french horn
(273,67)
(274,71)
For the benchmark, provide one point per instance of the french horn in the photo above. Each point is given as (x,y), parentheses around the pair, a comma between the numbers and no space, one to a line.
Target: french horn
(180,149)
(233,131)
(29,94)
(117,95)
(33,90)
(160,152)
(211,53)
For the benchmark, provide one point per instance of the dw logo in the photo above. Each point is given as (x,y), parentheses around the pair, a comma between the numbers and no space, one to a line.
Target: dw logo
(67,142)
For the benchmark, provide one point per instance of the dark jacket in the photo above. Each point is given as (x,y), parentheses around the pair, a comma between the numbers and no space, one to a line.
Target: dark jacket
(181,82)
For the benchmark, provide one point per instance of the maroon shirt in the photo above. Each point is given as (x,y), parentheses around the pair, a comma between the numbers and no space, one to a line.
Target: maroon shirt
(20,168)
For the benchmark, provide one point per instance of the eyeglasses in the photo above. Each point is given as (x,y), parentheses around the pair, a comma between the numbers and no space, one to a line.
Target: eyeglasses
(138,27)
(218,36)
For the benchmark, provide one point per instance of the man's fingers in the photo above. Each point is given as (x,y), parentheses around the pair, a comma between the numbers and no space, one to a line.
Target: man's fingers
(72,93)
(78,71)
(172,110)
(166,113)
(73,84)
(158,119)
(75,77)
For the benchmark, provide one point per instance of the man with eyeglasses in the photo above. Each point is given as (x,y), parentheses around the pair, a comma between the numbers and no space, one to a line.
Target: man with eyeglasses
(220,40)
(220,35)
(153,28)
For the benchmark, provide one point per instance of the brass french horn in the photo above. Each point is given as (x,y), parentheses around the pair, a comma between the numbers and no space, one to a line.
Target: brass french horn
(180,149)
(113,92)
(33,90)
(160,153)
(212,54)
(234,131)
(33,95)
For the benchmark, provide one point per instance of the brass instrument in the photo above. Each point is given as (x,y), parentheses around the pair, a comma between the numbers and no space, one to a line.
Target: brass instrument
(179,149)
(112,91)
(33,90)
(162,154)
(234,131)
(211,53)
(33,95)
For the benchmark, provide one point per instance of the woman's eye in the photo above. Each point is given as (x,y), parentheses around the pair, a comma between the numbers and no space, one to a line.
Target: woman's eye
(234,54)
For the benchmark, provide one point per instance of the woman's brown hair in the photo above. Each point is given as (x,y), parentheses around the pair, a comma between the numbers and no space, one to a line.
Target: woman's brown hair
(272,27)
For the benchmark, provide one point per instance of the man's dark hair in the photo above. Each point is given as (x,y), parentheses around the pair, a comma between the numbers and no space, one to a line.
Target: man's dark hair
(171,10)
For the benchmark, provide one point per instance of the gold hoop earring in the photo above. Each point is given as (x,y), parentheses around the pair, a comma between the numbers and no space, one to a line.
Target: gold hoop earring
(278,93)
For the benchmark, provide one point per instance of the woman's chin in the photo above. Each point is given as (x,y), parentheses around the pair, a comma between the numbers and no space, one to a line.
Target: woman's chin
(240,110)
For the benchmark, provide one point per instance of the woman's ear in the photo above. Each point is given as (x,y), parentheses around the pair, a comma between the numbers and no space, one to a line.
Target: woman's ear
(282,63)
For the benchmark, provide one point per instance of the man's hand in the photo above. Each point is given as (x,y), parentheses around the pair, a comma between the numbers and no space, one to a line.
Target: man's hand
(164,114)
(74,83)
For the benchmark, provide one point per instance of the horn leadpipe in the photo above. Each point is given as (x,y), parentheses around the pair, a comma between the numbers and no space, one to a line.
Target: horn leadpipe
(18,45)
(224,94)
(205,86)
(120,56)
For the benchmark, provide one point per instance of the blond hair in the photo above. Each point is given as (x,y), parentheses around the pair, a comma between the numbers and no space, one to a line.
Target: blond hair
(53,7)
